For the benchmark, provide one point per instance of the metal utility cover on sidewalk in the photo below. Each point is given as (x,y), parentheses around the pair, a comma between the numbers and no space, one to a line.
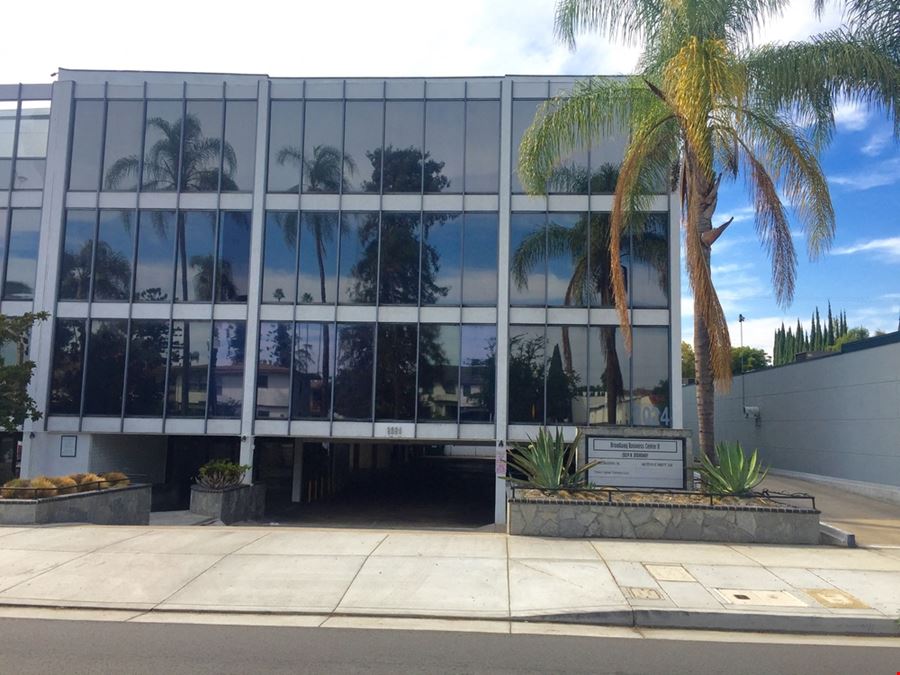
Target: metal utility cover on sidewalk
(669,573)
(739,596)
(835,599)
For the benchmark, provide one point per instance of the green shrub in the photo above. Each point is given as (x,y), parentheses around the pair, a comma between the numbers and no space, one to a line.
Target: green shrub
(43,487)
(65,485)
(219,474)
(734,473)
(7,493)
(114,479)
(548,462)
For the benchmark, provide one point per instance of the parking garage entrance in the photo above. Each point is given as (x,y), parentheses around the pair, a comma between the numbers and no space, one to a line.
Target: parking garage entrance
(369,484)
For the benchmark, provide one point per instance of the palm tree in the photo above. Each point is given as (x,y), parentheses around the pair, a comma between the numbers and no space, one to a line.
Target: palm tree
(706,106)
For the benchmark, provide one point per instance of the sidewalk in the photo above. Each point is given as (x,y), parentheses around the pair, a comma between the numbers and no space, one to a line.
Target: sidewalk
(490,576)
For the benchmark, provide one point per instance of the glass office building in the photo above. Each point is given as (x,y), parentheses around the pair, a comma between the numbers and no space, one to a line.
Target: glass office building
(263,263)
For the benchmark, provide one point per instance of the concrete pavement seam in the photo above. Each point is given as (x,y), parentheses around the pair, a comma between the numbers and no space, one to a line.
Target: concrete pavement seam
(358,570)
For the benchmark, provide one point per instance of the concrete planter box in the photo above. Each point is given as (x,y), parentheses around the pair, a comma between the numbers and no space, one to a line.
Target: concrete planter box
(128,505)
(734,524)
(231,505)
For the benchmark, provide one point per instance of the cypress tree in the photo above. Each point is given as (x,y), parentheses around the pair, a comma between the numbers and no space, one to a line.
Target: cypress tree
(830,338)
(801,339)
(820,337)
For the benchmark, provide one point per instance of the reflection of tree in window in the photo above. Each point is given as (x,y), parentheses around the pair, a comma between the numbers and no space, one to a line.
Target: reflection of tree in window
(147,367)
(526,377)
(395,377)
(562,388)
(68,350)
(479,373)
(227,368)
(323,170)
(105,367)
(402,171)
(353,371)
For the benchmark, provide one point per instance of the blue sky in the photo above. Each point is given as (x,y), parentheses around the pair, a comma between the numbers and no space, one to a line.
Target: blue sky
(493,37)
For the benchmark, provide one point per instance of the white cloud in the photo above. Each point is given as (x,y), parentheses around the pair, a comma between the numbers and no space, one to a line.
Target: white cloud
(851,116)
(877,175)
(888,247)
(876,143)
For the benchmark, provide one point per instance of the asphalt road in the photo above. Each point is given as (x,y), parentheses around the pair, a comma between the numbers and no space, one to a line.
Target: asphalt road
(39,646)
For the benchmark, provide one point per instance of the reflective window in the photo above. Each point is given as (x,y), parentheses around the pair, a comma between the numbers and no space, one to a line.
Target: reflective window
(188,369)
(273,374)
(313,356)
(359,258)
(398,278)
(31,145)
(567,374)
(526,374)
(650,377)
(280,257)
(395,375)
(318,256)
(146,381)
(567,279)
(480,259)
(195,247)
(601,290)
(233,265)
(7,141)
(162,143)
(522,116)
(649,263)
(285,155)
(441,258)
(154,269)
(87,138)
(122,154)
(78,248)
(572,174)
(226,379)
(607,154)
(21,262)
(478,373)
(112,261)
(609,377)
(438,372)
(482,146)
(105,367)
(68,355)
(362,146)
(239,159)
(322,160)
(353,371)
(201,146)
(528,262)
(403,130)
(444,142)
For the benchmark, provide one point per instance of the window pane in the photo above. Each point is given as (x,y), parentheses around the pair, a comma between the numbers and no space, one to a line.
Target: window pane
(7,128)
(29,174)
(398,279)
(274,371)
(313,356)
(650,372)
(528,262)
(572,174)
(147,367)
(609,377)
(112,262)
(68,353)
(403,128)
(122,154)
(482,146)
(194,256)
(21,263)
(154,273)
(34,126)
(87,139)
(188,369)
(234,257)
(438,372)
(362,146)
(441,264)
(359,258)
(395,377)
(240,146)
(523,115)
(162,140)
(5,174)
(318,257)
(353,371)
(478,373)
(322,146)
(200,153)
(280,257)
(650,263)
(601,284)
(480,259)
(226,381)
(526,374)
(285,129)
(105,367)
(567,243)
(607,154)
(444,143)
(567,374)
(78,246)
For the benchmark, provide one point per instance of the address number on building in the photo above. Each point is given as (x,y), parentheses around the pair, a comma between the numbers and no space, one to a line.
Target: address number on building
(636,462)
(395,432)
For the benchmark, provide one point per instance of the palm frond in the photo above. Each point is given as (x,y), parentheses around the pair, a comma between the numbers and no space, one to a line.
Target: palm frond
(632,21)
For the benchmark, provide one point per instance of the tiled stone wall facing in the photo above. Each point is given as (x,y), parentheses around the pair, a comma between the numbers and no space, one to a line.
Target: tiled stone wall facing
(115,506)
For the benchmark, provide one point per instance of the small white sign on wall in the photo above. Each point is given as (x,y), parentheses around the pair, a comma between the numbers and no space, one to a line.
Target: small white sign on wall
(68,446)
(636,462)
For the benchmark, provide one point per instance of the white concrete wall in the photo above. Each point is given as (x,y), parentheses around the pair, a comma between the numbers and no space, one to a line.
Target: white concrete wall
(838,416)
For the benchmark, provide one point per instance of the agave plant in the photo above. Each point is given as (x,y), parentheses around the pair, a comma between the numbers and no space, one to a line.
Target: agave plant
(735,474)
(548,462)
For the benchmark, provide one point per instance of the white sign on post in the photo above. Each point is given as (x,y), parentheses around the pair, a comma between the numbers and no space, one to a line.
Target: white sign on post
(636,462)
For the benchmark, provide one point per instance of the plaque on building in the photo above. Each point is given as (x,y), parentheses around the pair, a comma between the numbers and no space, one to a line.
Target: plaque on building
(636,462)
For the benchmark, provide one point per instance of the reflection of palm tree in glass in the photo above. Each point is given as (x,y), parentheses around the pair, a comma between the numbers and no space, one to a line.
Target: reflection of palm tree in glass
(113,283)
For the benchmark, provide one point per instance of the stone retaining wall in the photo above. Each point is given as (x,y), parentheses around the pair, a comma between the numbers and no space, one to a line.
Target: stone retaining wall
(683,523)
(128,505)
(231,505)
